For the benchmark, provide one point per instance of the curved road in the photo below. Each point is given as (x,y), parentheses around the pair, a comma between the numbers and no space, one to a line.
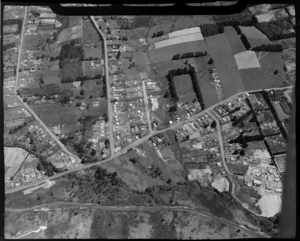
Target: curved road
(135,208)
(138,142)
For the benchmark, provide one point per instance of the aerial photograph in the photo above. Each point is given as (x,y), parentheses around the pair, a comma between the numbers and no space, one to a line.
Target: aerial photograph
(146,126)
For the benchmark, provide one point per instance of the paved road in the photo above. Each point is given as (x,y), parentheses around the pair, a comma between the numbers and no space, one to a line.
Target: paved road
(108,90)
(135,208)
(20,51)
(138,142)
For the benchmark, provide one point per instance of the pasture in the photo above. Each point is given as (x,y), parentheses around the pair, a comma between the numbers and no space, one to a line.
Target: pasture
(225,64)
(31,41)
(93,52)
(234,40)
(14,156)
(165,27)
(55,114)
(184,88)
(14,113)
(166,53)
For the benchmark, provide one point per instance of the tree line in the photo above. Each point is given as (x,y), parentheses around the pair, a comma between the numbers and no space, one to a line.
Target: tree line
(158,34)
(81,78)
(189,55)
(211,29)
(269,48)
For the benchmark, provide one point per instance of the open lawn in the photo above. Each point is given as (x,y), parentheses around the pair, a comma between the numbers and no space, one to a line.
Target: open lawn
(74,21)
(225,64)
(234,40)
(166,53)
(55,114)
(93,52)
(71,69)
(184,88)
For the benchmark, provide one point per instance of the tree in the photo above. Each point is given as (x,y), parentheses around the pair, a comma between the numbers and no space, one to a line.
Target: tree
(81,92)
(25,99)
(213,124)
(242,152)
(275,72)
(210,61)
(78,104)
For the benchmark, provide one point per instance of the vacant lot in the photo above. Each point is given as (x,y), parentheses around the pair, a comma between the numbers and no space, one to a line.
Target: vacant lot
(55,114)
(184,88)
(74,21)
(224,62)
(234,40)
(93,52)
(14,113)
(166,53)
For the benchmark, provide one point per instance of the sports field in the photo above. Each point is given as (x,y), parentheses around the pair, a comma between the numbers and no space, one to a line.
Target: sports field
(225,64)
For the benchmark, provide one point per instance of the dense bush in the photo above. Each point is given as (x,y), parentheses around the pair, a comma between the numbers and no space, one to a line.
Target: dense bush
(245,41)
(8,46)
(211,29)
(276,30)
(70,51)
(47,167)
(244,18)
(269,48)
(14,21)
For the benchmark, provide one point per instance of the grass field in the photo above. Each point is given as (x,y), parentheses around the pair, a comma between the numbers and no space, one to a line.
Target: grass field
(14,156)
(51,76)
(71,69)
(225,64)
(93,52)
(90,33)
(246,60)
(70,33)
(74,21)
(89,70)
(9,101)
(254,36)
(203,19)
(14,113)
(166,53)
(165,27)
(184,88)
(183,23)
(141,62)
(55,114)
(234,40)
(31,41)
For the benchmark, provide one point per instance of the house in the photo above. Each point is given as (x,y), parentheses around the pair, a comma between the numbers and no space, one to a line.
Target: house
(256,182)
